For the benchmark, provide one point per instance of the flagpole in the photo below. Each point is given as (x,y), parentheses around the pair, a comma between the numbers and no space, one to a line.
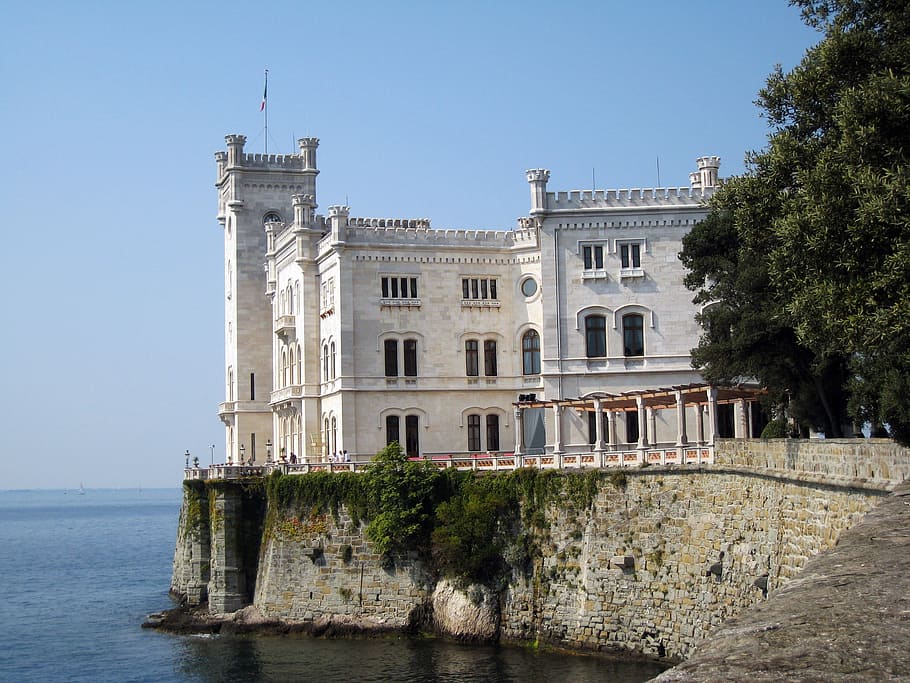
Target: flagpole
(265,109)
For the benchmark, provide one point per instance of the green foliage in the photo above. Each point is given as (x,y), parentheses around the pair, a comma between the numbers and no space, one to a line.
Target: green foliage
(807,256)
(403,495)
(472,531)
(776,429)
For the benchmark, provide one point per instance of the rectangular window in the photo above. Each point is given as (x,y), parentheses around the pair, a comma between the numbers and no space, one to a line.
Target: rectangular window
(492,432)
(630,258)
(630,255)
(470,358)
(489,358)
(399,291)
(473,432)
(593,255)
(391,429)
(478,289)
(412,440)
(252,386)
(391,358)
(592,427)
(410,358)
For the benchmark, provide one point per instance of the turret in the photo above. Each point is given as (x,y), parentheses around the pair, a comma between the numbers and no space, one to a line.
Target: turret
(706,175)
(338,217)
(308,152)
(538,178)
(235,145)
(303,209)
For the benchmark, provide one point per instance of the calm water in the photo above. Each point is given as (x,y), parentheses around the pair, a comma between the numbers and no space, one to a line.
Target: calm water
(81,572)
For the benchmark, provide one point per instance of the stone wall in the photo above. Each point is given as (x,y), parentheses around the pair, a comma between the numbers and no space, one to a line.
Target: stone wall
(661,557)
(635,571)
(875,463)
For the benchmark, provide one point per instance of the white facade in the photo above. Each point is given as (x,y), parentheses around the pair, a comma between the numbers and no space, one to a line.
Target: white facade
(343,333)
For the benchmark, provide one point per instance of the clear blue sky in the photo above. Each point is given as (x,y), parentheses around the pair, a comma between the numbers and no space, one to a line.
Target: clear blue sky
(111,257)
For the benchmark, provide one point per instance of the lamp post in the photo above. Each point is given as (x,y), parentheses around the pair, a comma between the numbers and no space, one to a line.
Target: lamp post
(242,454)
(268,451)
(187,458)
(213,454)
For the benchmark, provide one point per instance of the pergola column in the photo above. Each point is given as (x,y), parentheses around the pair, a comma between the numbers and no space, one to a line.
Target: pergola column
(712,415)
(519,431)
(557,429)
(699,425)
(743,427)
(642,422)
(598,427)
(682,438)
(611,429)
(652,423)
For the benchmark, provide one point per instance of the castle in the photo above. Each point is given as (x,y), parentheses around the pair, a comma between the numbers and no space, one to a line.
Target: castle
(343,334)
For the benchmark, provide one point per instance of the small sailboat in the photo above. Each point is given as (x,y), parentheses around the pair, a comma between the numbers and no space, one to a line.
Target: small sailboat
(81,491)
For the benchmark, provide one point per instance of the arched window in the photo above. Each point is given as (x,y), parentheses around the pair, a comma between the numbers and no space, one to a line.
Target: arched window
(292,367)
(633,338)
(230,383)
(492,432)
(411,436)
(290,294)
(473,432)
(297,296)
(325,362)
(392,429)
(299,365)
(470,358)
(410,358)
(332,365)
(284,368)
(489,358)
(391,357)
(595,336)
(334,436)
(530,353)
(326,447)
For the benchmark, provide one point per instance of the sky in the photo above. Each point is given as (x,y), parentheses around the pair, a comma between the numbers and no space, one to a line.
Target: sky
(111,348)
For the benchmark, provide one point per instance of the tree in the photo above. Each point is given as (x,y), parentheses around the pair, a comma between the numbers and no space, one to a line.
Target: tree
(404,493)
(821,221)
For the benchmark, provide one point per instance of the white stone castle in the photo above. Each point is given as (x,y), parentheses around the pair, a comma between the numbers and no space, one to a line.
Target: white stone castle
(343,334)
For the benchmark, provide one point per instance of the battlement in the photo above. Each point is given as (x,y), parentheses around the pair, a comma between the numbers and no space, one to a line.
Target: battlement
(406,223)
(628,198)
(400,231)
(270,161)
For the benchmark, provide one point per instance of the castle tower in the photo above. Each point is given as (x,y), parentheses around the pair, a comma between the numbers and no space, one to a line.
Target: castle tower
(254,207)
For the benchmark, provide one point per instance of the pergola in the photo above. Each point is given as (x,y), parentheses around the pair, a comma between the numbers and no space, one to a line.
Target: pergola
(645,402)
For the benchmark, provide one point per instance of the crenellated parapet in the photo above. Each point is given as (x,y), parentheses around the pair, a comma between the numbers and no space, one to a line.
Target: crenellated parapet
(658,197)
(412,223)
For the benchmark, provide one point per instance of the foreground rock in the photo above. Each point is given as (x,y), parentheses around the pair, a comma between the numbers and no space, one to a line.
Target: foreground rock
(471,615)
(194,620)
(846,617)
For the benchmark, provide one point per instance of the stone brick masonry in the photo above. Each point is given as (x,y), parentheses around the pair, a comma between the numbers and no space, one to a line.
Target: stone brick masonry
(660,560)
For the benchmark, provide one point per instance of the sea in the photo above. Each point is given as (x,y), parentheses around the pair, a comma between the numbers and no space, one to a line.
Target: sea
(81,570)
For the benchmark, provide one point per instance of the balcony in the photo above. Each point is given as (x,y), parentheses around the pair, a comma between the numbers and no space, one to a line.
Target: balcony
(286,393)
(226,408)
(285,326)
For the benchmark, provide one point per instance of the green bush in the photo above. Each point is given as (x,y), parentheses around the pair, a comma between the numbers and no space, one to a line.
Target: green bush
(775,429)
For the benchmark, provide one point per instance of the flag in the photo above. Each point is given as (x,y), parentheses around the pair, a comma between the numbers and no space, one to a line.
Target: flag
(265,91)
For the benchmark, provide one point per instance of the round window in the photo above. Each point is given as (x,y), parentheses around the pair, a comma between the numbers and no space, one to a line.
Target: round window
(529,287)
